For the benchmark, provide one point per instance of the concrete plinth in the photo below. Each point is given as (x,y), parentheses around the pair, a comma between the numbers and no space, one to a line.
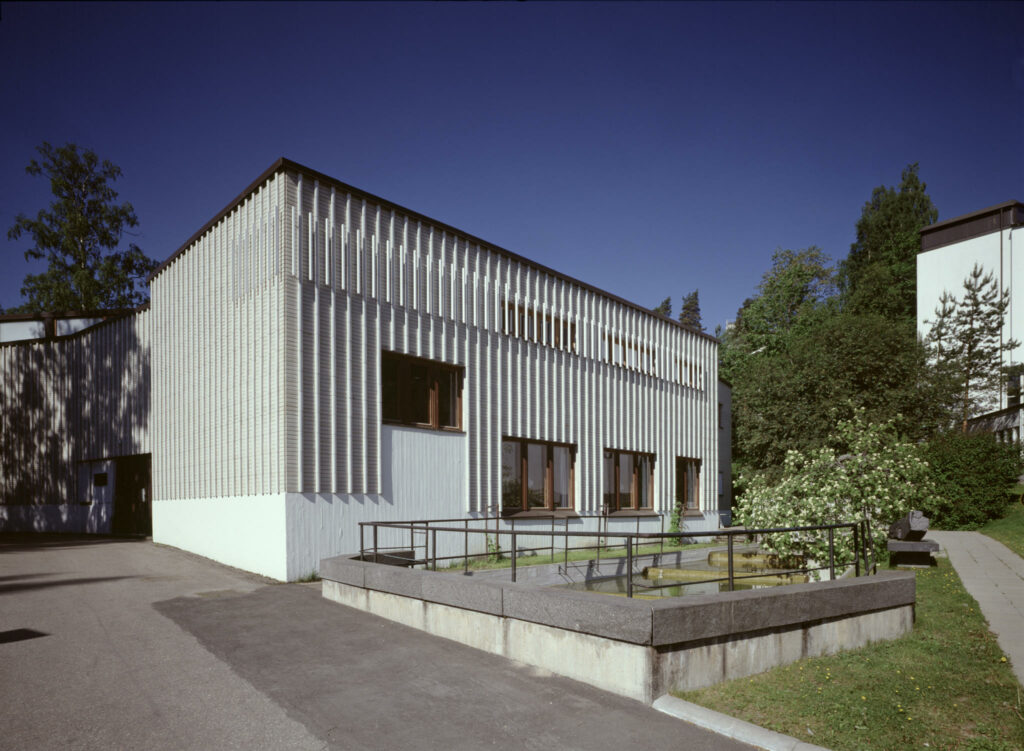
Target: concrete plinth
(636,648)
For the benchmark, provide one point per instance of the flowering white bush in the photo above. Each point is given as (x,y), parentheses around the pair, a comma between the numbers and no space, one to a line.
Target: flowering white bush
(866,472)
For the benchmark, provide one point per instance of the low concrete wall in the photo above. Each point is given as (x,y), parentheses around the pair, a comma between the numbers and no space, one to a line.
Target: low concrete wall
(636,648)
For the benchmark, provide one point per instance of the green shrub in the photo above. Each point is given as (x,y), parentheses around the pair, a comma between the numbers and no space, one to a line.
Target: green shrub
(973,473)
(866,472)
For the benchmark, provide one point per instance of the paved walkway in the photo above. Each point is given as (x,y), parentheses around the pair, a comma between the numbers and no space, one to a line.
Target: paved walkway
(125,644)
(994,576)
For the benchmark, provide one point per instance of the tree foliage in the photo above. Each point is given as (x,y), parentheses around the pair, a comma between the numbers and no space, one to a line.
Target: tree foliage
(789,395)
(664,308)
(973,473)
(880,273)
(966,339)
(78,235)
(795,285)
(816,346)
(689,314)
(797,359)
(864,471)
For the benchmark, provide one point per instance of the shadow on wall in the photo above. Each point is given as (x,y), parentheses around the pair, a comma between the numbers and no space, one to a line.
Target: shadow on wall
(63,402)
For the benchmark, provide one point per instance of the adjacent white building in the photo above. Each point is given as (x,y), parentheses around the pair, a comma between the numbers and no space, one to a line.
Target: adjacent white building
(992,238)
(318,356)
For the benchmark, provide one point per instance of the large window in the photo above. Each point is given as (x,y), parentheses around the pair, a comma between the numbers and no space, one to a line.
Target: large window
(628,480)
(688,485)
(418,392)
(536,476)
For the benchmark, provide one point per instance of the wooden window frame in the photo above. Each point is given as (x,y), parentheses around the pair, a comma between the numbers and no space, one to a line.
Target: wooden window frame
(403,391)
(634,483)
(690,506)
(549,478)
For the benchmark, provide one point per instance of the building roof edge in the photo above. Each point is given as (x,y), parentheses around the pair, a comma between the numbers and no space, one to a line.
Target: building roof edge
(283,164)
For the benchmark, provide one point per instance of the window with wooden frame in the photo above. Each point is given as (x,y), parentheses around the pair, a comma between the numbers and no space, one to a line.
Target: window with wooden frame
(688,485)
(420,393)
(536,475)
(628,480)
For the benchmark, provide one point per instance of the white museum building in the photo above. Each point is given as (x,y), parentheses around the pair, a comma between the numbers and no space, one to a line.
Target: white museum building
(316,356)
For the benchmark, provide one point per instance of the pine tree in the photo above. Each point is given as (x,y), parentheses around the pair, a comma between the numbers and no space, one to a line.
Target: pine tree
(966,341)
(880,273)
(664,308)
(690,313)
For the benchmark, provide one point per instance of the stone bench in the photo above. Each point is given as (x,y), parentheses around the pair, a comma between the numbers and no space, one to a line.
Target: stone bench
(906,544)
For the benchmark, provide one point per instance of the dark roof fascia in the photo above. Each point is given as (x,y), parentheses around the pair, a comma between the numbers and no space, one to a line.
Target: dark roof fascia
(108,316)
(283,165)
(996,413)
(107,313)
(968,217)
(964,219)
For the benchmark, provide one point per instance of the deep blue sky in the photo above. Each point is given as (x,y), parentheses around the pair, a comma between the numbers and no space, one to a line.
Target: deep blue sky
(647,148)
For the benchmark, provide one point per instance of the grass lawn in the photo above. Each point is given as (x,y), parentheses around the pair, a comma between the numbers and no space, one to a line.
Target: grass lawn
(944,686)
(583,554)
(1010,529)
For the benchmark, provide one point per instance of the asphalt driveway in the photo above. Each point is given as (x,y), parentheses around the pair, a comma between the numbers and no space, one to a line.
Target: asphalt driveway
(109,643)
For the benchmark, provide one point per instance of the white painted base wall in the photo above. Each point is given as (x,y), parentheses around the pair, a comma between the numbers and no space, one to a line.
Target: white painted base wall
(284,535)
(247,532)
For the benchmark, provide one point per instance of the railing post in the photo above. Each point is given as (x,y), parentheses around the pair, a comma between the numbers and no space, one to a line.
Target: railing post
(629,566)
(566,545)
(552,538)
(362,542)
(731,583)
(375,543)
(856,550)
(831,554)
(433,545)
(412,541)
(867,542)
(465,549)
(513,550)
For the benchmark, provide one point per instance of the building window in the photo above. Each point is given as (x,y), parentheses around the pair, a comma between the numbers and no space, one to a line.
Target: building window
(536,476)
(542,328)
(628,480)
(688,484)
(1013,384)
(422,393)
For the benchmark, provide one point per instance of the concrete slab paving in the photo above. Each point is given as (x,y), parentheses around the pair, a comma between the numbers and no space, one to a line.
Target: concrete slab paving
(110,643)
(994,576)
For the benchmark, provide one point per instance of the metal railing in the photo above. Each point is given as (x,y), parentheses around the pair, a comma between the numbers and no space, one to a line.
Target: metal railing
(430,528)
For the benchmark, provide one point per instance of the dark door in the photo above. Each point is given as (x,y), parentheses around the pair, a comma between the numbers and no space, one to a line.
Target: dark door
(132,496)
